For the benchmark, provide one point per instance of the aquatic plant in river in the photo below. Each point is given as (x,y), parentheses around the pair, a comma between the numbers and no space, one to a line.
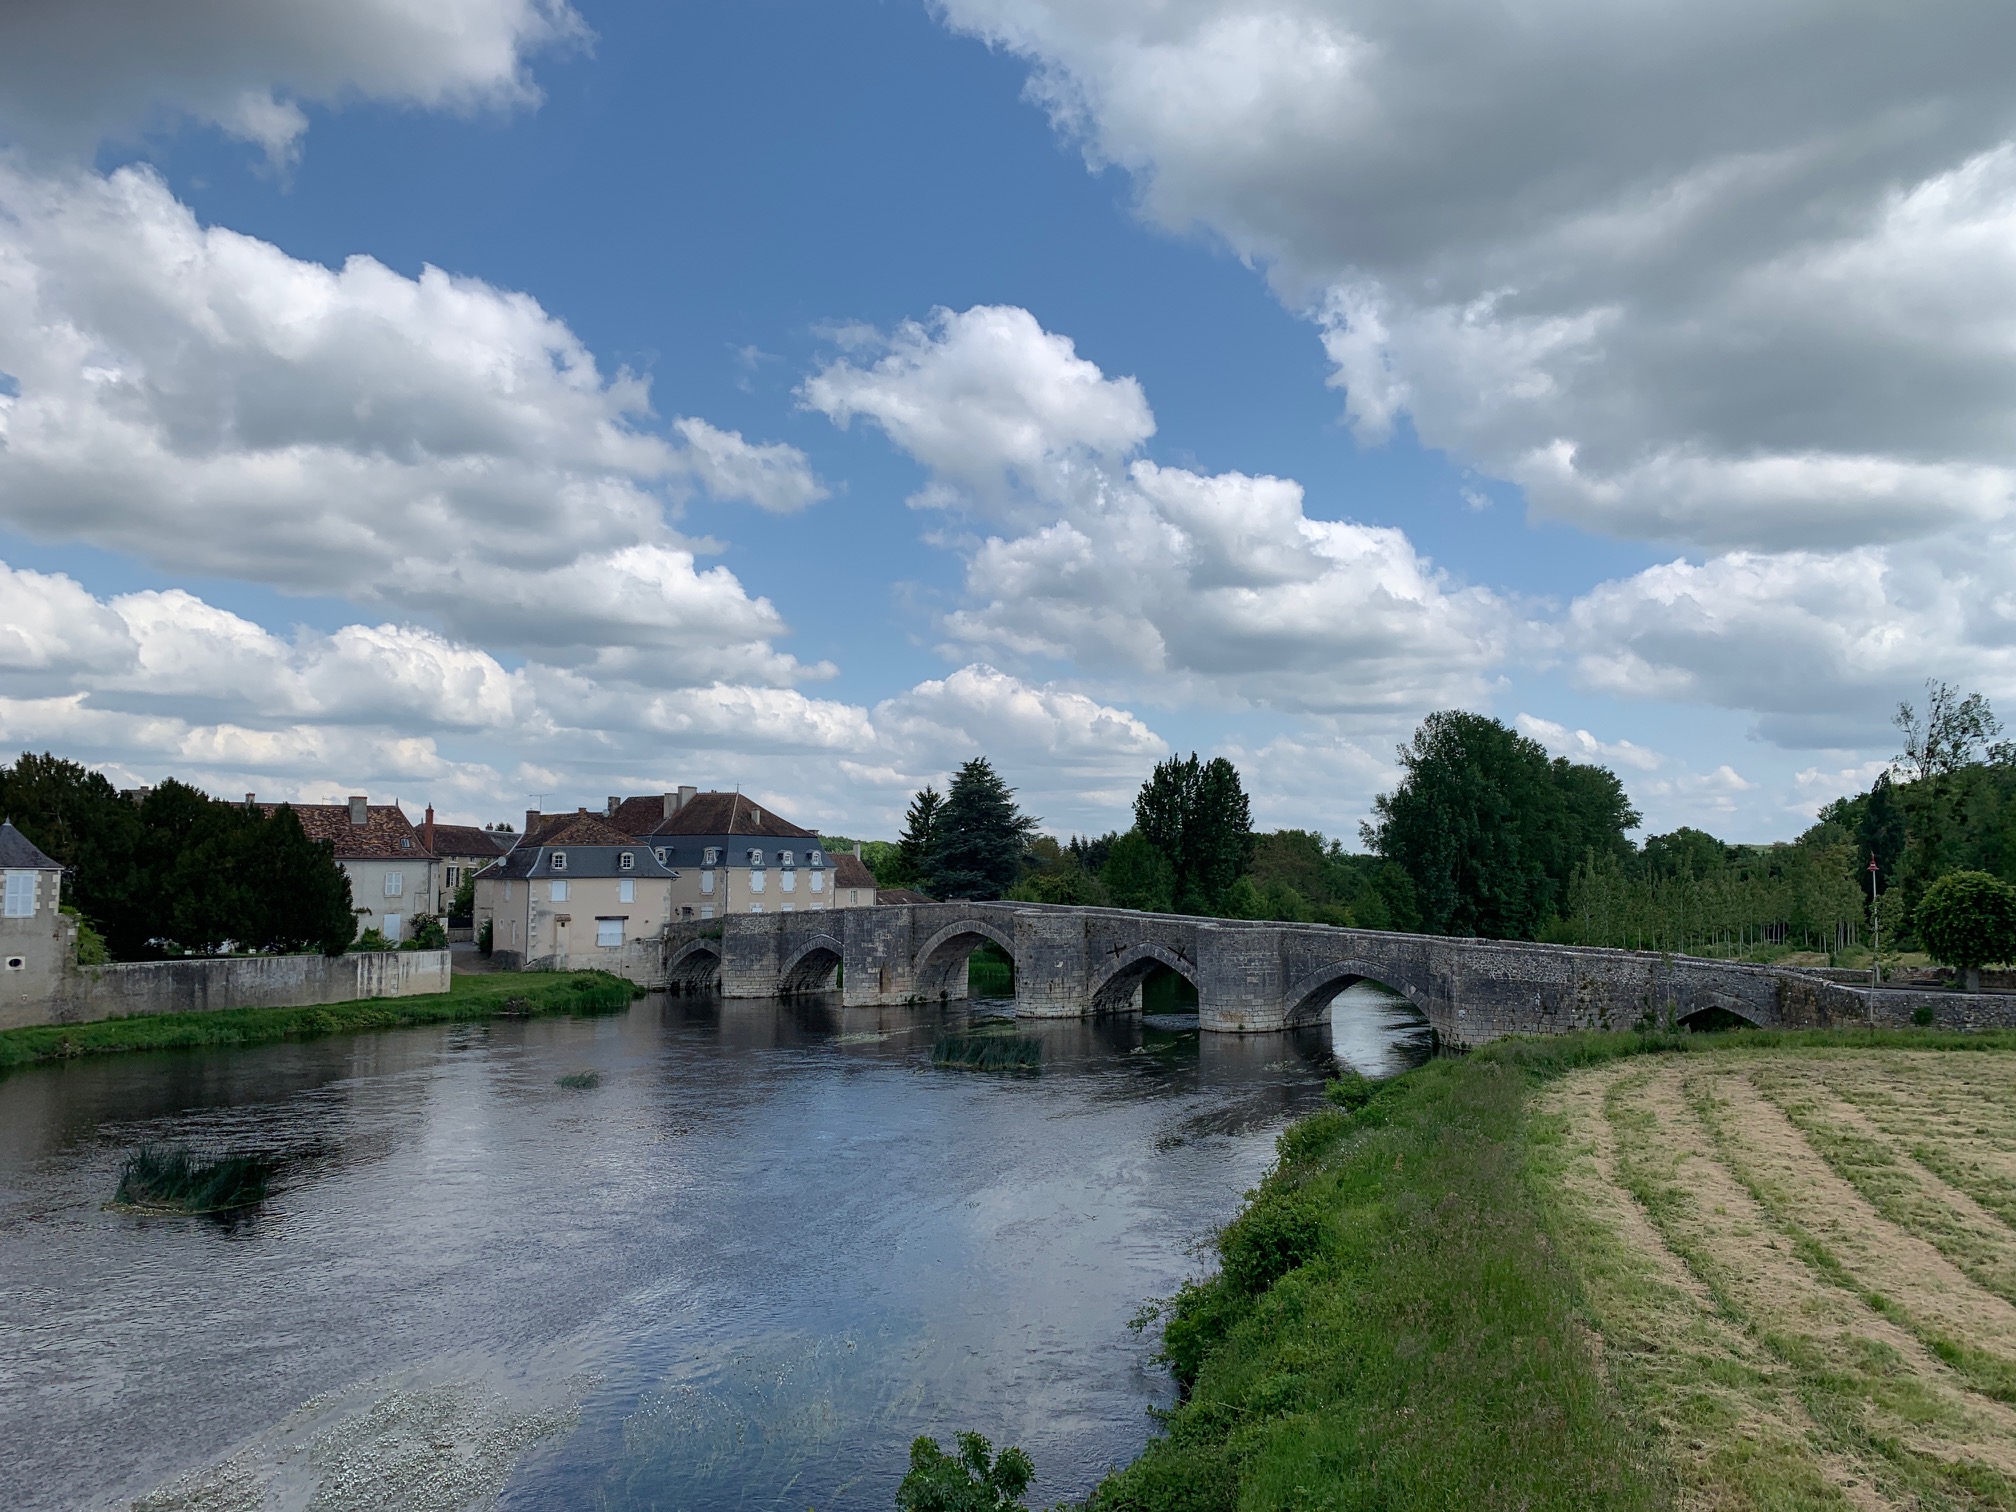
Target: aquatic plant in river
(986,1050)
(176,1181)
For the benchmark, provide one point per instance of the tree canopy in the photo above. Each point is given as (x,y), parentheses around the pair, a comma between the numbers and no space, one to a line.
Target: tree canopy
(1968,919)
(181,871)
(1197,816)
(1490,830)
(979,838)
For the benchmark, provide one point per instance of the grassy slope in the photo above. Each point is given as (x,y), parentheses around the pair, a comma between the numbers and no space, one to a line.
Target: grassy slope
(1394,1324)
(468,997)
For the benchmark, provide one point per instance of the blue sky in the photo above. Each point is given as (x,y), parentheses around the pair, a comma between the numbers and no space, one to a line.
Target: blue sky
(818,394)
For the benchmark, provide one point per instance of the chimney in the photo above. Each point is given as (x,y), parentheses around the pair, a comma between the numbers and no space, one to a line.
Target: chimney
(613,802)
(357,815)
(670,804)
(531,822)
(427,830)
(687,795)
(251,799)
(857,852)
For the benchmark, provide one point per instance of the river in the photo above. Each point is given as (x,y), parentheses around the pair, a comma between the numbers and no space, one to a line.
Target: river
(771,1246)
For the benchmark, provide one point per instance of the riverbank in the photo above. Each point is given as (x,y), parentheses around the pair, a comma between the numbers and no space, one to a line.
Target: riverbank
(1619,1271)
(469,997)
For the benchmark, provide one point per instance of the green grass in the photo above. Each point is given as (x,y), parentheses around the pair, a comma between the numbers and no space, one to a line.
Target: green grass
(1395,1322)
(176,1181)
(503,994)
(986,1050)
(990,973)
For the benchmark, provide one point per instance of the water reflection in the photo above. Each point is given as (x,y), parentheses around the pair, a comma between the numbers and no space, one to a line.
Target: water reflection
(1377,1032)
(768,1249)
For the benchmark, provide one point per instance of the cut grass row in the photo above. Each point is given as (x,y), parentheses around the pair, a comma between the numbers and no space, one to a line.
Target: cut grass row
(469,997)
(1406,1316)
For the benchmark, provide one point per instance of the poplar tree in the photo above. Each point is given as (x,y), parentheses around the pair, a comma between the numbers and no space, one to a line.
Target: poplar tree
(1196,814)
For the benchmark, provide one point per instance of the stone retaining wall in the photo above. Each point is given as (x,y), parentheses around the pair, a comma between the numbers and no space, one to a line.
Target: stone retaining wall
(131,988)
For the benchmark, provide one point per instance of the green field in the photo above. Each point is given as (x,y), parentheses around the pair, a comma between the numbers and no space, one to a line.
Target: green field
(1719,1271)
(469,997)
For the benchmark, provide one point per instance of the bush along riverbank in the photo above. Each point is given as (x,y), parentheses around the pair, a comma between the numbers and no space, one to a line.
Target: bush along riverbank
(1487,1283)
(499,995)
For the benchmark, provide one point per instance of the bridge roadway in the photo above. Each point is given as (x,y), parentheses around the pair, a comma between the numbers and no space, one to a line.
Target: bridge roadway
(1259,977)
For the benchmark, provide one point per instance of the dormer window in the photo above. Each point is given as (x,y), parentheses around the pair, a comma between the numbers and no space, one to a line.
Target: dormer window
(559,860)
(787,858)
(755,858)
(713,856)
(627,861)
(818,858)
(664,858)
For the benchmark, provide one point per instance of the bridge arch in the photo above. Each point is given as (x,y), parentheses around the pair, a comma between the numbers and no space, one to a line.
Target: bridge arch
(1717,1010)
(810,968)
(694,967)
(1113,990)
(939,967)
(1309,999)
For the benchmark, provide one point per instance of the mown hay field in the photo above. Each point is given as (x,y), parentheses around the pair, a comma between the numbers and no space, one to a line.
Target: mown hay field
(1799,1267)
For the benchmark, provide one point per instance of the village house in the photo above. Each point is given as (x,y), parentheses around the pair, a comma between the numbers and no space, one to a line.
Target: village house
(734,855)
(37,940)
(393,875)
(576,893)
(463,850)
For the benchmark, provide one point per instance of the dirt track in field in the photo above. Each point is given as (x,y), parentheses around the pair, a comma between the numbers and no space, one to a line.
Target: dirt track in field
(1800,1267)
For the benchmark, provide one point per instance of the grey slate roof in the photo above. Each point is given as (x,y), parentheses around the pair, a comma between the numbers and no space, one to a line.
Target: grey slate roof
(582,861)
(19,853)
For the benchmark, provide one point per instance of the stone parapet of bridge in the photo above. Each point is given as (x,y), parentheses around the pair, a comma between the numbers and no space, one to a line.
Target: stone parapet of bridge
(1262,977)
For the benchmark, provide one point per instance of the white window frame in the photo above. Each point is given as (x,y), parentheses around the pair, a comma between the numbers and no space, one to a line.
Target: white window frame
(559,859)
(660,853)
(818,858)
(706,884)
(395,884)
(21,890)
(556,891)
(787,858)
(626,890)
(394,925)
(755,858)
(712,857)
(627,861)
(755,908)
(756,880)
(788,881)
(818,881)
(706,910)
(604,928)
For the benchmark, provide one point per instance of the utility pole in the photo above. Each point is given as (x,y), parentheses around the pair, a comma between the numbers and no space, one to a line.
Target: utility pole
(1875,934)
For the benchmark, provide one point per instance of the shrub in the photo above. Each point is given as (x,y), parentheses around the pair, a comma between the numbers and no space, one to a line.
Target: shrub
(974,1480)
(371,939)
(1277,1233)
(485,933)
(1967,919)
(425,932)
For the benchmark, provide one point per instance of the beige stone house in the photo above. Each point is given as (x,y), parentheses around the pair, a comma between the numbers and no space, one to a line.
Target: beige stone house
(576,893)
(463,850)
(732,854)
(393,875)
(38,942)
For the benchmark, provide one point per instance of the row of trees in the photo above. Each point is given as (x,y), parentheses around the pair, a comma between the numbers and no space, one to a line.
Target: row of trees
(179,873)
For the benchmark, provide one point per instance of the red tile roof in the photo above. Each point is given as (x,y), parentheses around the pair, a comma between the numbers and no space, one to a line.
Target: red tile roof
(468,840)
(385,835)
(901,895)
(731,814)
(637,817)
(577,828)
(849,870)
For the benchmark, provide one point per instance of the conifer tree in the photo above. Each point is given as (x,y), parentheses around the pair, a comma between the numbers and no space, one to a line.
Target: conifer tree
(979,838)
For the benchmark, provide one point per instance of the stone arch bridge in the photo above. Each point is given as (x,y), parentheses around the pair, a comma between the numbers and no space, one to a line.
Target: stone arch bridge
(1249,977)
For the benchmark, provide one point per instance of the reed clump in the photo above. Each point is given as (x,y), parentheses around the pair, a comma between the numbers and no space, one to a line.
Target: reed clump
(178,1181)
(987,1050)
(579,1080)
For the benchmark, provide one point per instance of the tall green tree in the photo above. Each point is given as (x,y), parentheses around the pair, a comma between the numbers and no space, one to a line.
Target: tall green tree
(1968,919)
(979,838)
(913,848)
(1489,829)
(1197,815)
(1138,875)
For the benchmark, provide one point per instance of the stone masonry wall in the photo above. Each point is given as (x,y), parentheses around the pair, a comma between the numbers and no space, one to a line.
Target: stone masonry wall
(87,993)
